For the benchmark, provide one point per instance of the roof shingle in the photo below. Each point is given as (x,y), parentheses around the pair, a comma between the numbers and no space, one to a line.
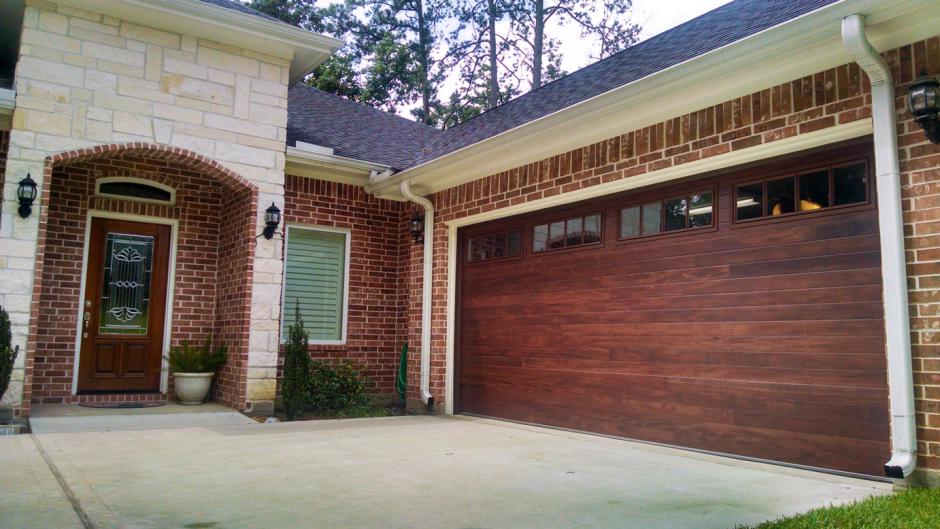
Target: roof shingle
(354,130)
(348,127)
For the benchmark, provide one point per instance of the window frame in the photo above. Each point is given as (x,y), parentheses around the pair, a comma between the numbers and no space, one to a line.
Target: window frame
(345,310)
(135,180)
(468,238)
(564,216)
(663,198)
(795,175)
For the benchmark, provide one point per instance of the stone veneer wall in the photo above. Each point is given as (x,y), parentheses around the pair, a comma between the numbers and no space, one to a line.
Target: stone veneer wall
(375,327)
(86,79)
(825,99)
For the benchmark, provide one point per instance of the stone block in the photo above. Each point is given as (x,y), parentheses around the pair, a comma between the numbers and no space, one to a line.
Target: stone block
(53,72)
(240,126)
(78,13)
(186,68)
(48,122)
(95,25)
(222,77)
(269,115)
(113,54)
(51,40)
(242,97)
(132,123)
(53,22)
(120,69)
(99,131)
(126,104)
(143,89)
(150,36)
(153,65)
(176,113)
(91,35)
(197,89)
(227,61)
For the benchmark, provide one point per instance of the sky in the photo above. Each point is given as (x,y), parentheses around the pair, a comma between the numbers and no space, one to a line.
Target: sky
(654,17)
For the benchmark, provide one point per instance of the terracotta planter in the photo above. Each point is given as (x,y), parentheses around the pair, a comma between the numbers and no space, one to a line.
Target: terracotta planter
(191,388)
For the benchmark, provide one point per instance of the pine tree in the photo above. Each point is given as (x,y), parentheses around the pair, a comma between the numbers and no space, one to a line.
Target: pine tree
(295,385)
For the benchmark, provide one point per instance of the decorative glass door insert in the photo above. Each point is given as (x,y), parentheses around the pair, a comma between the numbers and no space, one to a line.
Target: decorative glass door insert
(125,290)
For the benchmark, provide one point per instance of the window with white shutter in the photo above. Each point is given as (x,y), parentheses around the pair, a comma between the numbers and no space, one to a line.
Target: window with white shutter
(316,278)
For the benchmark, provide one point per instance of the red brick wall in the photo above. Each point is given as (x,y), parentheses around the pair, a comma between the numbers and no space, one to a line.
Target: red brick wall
(920,181)
(199,296)
(836,96)
(375,330)
(233,294)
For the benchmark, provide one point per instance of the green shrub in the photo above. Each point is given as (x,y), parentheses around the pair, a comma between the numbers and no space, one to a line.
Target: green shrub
(8,353)
(337,388)
(201,359)
(295,385)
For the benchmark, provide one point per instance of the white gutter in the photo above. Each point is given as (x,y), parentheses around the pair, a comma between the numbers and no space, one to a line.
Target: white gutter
(893,263)
(405,187)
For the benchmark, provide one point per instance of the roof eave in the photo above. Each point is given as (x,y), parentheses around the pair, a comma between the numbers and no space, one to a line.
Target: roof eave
(717,76)
(331,167)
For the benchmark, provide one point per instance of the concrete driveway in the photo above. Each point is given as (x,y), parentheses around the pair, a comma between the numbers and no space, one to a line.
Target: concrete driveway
(397,472)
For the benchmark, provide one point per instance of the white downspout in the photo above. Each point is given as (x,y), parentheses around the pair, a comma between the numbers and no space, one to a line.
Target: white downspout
(893,263)
(425,290)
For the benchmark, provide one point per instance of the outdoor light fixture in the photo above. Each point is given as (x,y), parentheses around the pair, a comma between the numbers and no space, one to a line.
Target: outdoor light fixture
(923,102)
(417,227)
(272,217)
(26,194)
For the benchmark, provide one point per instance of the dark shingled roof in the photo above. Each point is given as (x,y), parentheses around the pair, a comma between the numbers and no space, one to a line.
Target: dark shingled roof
(361,139)
(234,5)
(354,130)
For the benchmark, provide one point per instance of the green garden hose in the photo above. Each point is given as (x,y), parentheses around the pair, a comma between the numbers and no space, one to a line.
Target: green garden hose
(401,384)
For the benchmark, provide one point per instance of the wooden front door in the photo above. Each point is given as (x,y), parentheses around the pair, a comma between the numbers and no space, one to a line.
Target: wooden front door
(124,307)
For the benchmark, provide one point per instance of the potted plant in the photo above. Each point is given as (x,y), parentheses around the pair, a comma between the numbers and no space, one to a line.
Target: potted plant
(193,368)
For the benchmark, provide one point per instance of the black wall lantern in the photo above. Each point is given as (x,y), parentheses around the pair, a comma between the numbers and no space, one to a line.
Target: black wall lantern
(272,217)
(923,101)
(417,227)
(26,194)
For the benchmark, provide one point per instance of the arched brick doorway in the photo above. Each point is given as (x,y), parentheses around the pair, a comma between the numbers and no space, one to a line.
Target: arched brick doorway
(211,215)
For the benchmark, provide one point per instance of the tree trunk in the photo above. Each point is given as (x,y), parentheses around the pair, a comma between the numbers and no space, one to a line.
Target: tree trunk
(537,43)
(423,51)
(493,99)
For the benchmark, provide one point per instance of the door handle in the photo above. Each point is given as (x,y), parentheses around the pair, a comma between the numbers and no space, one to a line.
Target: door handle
(87,319)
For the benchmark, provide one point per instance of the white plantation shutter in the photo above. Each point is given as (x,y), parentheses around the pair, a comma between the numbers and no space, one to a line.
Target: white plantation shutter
(315,270)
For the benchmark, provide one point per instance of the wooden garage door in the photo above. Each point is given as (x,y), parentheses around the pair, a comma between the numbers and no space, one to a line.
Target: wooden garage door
(761,337)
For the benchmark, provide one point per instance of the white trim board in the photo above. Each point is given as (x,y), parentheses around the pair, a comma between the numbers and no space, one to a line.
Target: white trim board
(764,151)
(316,227)
(170,285)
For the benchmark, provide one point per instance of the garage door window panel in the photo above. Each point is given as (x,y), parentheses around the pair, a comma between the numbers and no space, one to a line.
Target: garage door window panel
(572,232)
(497,245)
(678,214)
(814,190)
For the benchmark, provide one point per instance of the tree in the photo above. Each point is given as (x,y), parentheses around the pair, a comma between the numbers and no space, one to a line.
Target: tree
(483,55)
(605,21)
(8,352)
(295,386)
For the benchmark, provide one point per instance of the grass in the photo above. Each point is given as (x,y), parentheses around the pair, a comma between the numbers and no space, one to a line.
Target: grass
(910,509)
